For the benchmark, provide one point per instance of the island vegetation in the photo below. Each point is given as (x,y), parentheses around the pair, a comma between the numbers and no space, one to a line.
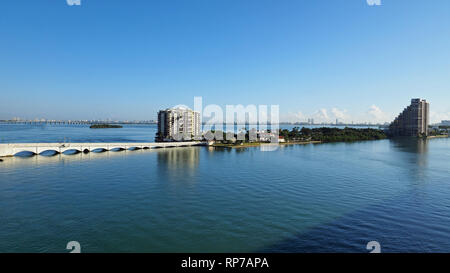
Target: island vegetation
(104,126)
(326,134)
(305,136)
(439,132)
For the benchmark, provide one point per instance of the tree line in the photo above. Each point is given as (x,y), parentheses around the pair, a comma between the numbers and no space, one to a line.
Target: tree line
(327,134)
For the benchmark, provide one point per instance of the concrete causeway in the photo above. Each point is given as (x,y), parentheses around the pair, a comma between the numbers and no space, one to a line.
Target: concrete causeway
(37,148)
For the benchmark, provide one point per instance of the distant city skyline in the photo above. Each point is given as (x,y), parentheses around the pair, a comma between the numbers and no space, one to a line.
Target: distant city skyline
(124,60)
(152,121)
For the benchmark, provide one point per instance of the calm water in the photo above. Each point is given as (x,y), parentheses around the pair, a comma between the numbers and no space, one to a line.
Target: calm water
(311,198)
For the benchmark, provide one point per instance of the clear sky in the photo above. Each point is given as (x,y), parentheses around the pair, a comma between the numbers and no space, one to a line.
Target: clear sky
(126,59)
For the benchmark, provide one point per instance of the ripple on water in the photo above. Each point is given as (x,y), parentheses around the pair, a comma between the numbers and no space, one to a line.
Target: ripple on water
(322,198)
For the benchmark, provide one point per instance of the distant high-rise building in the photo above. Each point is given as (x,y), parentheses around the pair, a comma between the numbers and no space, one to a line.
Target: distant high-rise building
(177,124)
(413,121)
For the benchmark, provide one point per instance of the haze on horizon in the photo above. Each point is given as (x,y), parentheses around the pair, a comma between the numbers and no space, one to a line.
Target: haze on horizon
(318,59)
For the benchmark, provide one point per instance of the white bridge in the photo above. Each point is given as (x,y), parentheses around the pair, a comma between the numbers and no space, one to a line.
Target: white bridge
(38,148)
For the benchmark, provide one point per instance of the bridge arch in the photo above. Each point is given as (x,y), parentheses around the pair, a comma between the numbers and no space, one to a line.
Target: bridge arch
(49,152)
(117,149)
(71,151)
(98,150)
(24,153)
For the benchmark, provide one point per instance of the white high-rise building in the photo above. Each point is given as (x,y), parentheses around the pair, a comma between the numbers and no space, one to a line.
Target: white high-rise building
(178,124)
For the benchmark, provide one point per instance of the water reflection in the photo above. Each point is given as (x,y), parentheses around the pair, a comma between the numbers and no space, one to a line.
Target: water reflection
(178,163)
(172,158)
(16,162)
(414,151)
(411,145)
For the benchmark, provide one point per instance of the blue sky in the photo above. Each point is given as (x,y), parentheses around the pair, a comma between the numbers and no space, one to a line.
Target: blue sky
(317,59)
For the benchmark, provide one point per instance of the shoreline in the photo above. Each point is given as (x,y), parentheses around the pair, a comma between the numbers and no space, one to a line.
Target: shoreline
(45,146)
(257,144)
(438,136)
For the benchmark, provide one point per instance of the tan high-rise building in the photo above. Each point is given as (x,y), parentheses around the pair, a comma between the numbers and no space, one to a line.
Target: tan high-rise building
(413,121)
(178,124)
